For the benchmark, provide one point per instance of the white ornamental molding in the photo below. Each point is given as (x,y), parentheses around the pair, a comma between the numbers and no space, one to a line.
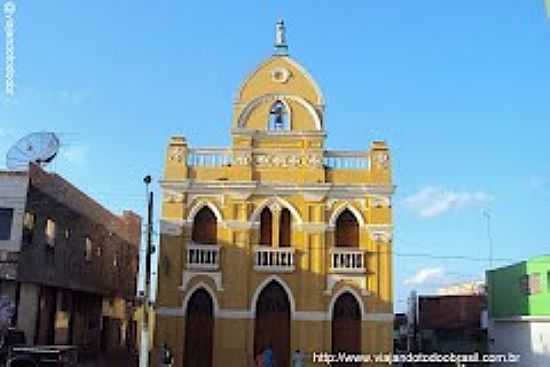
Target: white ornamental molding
(171,227)
(189,275)
(311,227)
(275,207)
(381,201)
(238,225)
(380,233)
(270,98)
(242,159)
(382,160)
(192,198)
(176,154)
(358,281)
(288,160)
(280,75)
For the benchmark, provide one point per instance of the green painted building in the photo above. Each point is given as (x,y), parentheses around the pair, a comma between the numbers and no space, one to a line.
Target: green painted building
(519,310)
(522,289)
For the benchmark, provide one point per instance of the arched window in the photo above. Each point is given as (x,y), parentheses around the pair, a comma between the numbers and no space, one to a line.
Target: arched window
(347,230)
(266,229)
(285,228)
(278,117)
(205,227)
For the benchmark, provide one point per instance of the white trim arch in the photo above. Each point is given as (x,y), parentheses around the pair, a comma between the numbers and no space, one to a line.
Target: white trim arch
(355,294)
(264,284)
(209,290)
(201,204)
(347,205)
(251,106)
(255,217)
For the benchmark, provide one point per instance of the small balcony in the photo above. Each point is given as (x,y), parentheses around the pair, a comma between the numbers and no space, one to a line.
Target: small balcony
(274,260)
(348,261)
(203,257)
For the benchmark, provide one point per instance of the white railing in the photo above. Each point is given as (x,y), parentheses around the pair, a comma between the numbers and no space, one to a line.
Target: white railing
(341,159)
(209,157)
(203,257)
(276,260)
(344,260)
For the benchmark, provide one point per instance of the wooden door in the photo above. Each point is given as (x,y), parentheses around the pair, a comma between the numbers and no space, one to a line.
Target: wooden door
(272,324)
(46,316)
(346,326)
(199,330)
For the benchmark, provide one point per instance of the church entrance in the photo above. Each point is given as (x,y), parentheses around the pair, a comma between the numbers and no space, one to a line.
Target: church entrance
(272,323)
(199,330)
(346,326)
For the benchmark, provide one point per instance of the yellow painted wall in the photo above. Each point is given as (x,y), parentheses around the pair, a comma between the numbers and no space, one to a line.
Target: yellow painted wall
(239,189)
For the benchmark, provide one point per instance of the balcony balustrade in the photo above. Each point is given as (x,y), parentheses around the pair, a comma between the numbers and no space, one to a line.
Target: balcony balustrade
(345,260)
(341,159)
(209,157)
(334,159)
(276,260)
(203,257)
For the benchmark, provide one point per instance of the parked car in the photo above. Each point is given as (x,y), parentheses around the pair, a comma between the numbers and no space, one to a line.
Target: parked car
(43,356)
(12,337)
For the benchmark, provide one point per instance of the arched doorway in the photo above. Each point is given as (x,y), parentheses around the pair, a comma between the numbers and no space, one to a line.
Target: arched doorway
(199,330)
(272,323)
(346,326)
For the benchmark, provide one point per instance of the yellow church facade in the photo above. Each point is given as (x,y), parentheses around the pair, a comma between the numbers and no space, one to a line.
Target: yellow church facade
(274,241)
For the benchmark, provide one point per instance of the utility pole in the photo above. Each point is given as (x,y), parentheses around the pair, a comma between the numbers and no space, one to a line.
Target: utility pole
(145,296)
(487,215)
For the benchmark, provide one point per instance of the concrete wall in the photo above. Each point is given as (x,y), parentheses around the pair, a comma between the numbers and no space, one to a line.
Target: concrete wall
(13,194)
(529,339)
(77,217)
(28,309)
(506,298)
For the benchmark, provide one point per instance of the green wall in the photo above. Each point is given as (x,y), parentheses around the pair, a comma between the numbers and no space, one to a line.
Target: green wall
(505,296)
(539,304)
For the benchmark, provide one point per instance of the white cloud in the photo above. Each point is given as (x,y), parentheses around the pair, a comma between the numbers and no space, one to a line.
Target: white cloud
(433,201)
(75,154)
(425,275)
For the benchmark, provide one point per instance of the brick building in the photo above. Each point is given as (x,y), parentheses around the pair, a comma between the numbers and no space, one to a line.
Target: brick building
(69,265)
(450,323)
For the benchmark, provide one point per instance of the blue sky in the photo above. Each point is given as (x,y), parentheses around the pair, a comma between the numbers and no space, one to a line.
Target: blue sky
(459,89)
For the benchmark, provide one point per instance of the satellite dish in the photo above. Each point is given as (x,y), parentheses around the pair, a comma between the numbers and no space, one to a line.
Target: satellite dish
(39,148)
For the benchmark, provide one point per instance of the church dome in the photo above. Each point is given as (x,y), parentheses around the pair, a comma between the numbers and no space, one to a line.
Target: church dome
(280,85)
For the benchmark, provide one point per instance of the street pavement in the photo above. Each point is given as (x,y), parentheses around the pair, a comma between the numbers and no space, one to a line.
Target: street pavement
(121,360)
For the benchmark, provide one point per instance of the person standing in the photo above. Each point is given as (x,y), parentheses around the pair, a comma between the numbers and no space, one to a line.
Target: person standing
(259,359)
(298,359)
(269,359)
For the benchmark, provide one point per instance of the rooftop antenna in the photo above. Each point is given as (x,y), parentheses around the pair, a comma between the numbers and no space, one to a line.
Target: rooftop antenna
(487,215)
(40,148)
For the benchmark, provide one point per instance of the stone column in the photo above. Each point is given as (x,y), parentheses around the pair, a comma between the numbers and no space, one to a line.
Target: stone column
(276,218)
